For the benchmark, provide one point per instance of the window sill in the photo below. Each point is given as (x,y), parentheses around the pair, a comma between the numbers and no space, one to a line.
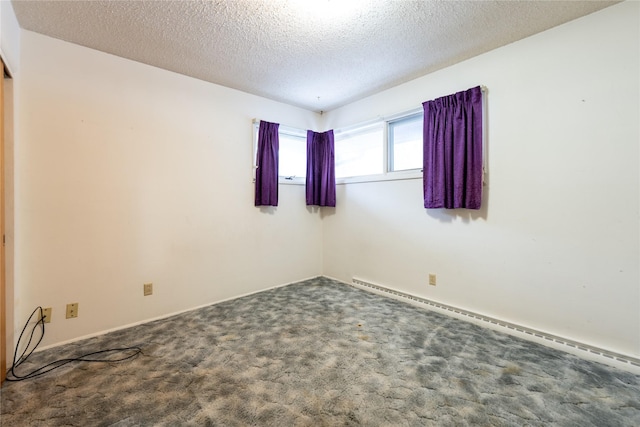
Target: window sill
(292,181)
(391,176)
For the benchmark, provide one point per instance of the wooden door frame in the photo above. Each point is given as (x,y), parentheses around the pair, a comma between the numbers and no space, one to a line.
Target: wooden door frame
(3,306)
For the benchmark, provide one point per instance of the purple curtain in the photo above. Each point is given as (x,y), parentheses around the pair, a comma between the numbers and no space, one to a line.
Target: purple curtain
(267,162)
(452,175)
(321,175)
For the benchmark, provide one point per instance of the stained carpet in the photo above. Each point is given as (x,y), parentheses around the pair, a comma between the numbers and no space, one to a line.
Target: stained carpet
(321,353)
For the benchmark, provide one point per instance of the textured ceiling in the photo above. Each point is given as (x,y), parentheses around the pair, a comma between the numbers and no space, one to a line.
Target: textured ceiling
(316,54)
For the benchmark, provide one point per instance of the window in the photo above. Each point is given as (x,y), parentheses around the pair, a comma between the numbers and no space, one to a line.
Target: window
(384,149)
(293,154)
(360,152)
(405,143)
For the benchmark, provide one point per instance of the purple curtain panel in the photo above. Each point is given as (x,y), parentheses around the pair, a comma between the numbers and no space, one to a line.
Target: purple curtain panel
(452,174)
(321,175)
(267,162)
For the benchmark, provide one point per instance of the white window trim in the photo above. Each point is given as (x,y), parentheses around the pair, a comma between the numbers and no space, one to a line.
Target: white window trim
(387,143)
(389,176)
(283,129)
(301,133)
(295,180)
(385,176)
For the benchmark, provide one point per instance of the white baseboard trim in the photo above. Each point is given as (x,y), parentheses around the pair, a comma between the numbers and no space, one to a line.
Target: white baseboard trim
(585,351)
(164,316)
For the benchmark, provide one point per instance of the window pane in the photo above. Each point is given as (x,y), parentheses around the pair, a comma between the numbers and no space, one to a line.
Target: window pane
(359,153)
(405,143)
(293,156)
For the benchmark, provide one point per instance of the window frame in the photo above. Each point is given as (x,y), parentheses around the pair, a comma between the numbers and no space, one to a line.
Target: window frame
(390,145)
(386,175)
(282,129)
(362,129)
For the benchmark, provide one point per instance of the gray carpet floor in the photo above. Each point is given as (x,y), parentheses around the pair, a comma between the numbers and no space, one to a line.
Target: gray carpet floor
(321,353)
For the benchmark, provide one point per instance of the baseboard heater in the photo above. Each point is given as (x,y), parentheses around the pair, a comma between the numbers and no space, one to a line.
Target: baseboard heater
(577,348)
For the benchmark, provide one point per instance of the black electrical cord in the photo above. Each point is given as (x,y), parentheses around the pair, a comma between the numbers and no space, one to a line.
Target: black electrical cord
(12,375)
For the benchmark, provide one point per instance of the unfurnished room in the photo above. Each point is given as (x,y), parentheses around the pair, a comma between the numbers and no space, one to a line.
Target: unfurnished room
(320,213)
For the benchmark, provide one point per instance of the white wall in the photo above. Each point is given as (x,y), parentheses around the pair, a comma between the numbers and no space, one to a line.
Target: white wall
(127,174)
(555,246)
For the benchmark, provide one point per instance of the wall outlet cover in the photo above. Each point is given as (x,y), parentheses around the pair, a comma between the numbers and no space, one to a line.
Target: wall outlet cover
(46,313)
(432,279)
(72,310)
(148,289)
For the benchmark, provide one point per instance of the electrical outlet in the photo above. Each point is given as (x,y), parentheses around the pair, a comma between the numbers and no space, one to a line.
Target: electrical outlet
(148,289)
(46,313)
(72,310)
(432,279)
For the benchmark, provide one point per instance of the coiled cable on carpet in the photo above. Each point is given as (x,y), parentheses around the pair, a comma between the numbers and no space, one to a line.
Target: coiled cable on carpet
(12,375)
